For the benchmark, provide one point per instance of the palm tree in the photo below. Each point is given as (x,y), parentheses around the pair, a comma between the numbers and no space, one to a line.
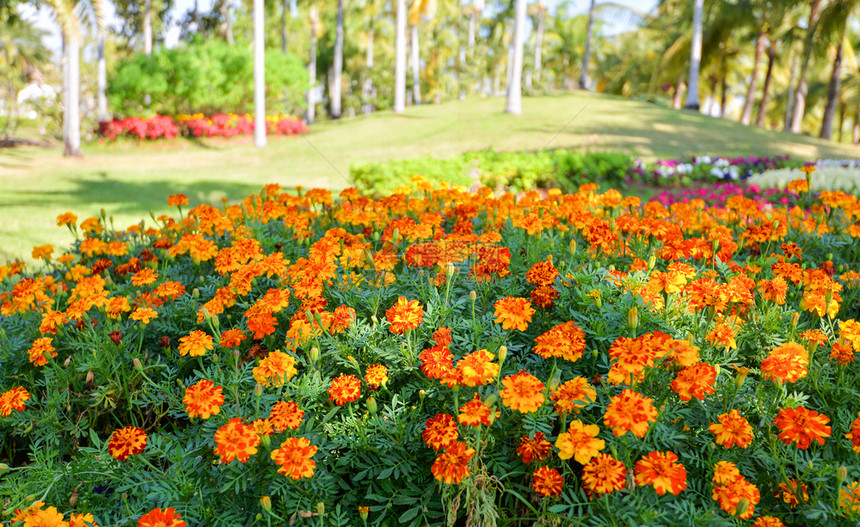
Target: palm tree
(147,27)
(259,77)
(72,15)
(834,22)
(418,9)
(400,59)
(584,82)
(515,89)
(798,105)
(22,57)
(695,57)
(102,78)
(337,77)
(316,29)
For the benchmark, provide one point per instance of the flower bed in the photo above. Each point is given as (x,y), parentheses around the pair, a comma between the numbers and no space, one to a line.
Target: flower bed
(719,194)
(438,356)
(197,125)
(831,175)
(684,171)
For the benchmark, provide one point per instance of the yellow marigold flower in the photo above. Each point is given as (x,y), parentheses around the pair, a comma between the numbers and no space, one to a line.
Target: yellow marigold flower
(195,344)
(43,251)
(514,313)
(275,369)
(523,392)
(143,315)
(579,442)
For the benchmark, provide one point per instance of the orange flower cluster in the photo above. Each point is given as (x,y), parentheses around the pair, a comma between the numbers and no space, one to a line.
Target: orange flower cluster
(195,344)
(37,516)
(161,518)
(603,475)
(522,392)
(440,431)
(786,363)
(452,465)
(732,429)
(475,413)
(236,440)
(547,481)
(13,399)
(662,471)
(344,389)
(405,315)
(286,415)
(376,375)
(294,457)
(730,487)
(566,341)
(802,426)
(631,411)
(534,449)
(275,369)
(203,399)
(695,381)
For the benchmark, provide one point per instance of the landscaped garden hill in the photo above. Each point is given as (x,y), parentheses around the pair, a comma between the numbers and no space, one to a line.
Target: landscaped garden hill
(438,356)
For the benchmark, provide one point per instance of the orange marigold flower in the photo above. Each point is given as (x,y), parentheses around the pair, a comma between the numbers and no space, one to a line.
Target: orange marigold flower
(477,368)
(695,381)
(767,521)
(603,474)
(143,315)
(789,493)
(275,369)
(798,186)
(341,319)
(440,431)
(195,344)
(177,200)
(286,415)
(442,336)
(236,440)
(842,353)
(13,399)
(815,336)
(732,429)
(774,290)
(43,251)
(263,427)
(579,442)
(436,361)
(725,472)
(534,449)
(723,335)
(404,315)
(572,395)
(161,518)
(630,410)
(294,458)
(82,520)
(849,497)
(41,347)
(542,274)
(203,399)
(514,313)
(802,426)
(67,218)
(452,465)
(344,389)
(548,481)
(376,375)
(661,470)
(127,441)
(787,363)
(232,338)
(523,391)
(145,276)
(564,340)
(730,495)
(475,413)
(544,296)
(853,435)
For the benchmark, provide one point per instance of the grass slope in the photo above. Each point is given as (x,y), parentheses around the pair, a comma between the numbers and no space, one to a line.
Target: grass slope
(128,180)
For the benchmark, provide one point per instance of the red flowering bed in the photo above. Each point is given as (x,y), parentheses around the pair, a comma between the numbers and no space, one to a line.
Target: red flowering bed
(197,125)
(438,357)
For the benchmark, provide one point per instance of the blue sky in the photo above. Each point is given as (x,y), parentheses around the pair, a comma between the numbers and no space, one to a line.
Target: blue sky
(44,21)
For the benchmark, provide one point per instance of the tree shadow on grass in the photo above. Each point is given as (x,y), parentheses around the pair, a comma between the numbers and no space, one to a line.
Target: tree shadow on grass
(130,197)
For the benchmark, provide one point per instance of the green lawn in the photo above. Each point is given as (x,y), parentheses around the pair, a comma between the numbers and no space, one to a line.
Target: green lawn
(129,180)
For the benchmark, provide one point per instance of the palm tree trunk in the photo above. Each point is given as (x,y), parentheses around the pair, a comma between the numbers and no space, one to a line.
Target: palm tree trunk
(724,90)
(676,97)
(228,24)
(515,88)
(338,65)
(102,79)
(789,105)
(312,65)
(497,78)
(416,66)
(147,27)
(695,57)
(259,77)
(461,61)
(841,120)
(284,33)
(584,81)
(762,109)
(71,110)
(832,94)
(367,88)
(712,98)
(400,59)
(746,116)
(539,45)
(802,86)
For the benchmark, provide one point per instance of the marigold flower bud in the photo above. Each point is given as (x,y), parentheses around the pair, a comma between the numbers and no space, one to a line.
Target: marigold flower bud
(633,318)
(67,361)
(472,296)
(371,405)
(490,400)
(450,269)
(362,512)
(503,353)
(321,508)
(266,503)
(90,377)
(652,261)
(742,506)
(396,236)
(555,382)
(314,354)
(794,318)
(137,365)
(258,390)
(73,499)
(422,394)
(841,473)
(4,468)
(572,246)
(195,293)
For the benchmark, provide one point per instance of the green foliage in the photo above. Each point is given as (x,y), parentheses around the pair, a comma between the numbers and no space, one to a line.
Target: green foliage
(209,77)
(565,169)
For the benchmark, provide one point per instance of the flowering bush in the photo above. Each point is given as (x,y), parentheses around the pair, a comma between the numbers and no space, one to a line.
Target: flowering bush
(719,194)
(706,168)
(831,175)
(198,125)
(438,356)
